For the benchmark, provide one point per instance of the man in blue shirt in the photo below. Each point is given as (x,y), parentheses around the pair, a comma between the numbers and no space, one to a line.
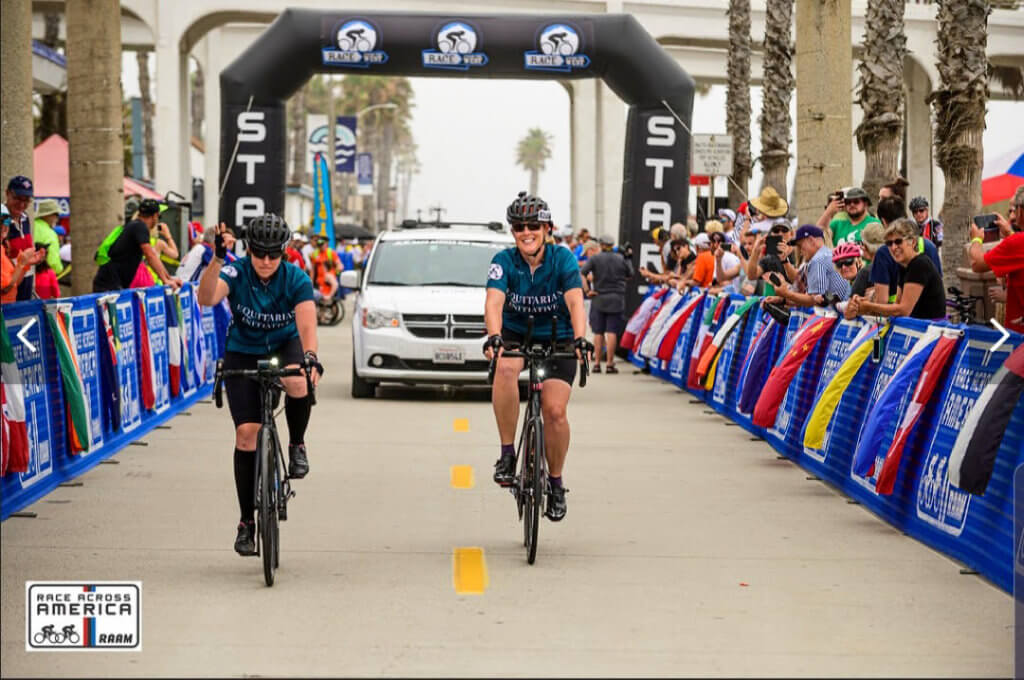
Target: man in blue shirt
(272,314)
(532,278)
(817,277)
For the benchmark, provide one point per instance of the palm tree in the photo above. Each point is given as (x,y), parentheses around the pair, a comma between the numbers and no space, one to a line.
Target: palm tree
(94,127)
(532,152)
(737,101)
(880,93)
(777,90)
(142,58)
(197,99)
(381,130)
(959,106)
(297,125)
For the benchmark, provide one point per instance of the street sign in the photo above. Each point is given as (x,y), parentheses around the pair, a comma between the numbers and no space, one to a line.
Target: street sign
(364,173)
(711,155)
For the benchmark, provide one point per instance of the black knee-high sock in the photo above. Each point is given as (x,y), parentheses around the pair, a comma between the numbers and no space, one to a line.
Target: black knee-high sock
(296,411)
(245,483)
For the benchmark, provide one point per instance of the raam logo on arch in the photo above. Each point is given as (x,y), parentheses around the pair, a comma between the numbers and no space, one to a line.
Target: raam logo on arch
(456,48)
(355,45)
(558,49)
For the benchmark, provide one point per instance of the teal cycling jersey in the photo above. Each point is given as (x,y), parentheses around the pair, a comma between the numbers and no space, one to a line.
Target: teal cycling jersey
(540,293)
(263,313)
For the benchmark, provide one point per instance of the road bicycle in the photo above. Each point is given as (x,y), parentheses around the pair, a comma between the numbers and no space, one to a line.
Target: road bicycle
(273,489)
(530,486)
(965,306)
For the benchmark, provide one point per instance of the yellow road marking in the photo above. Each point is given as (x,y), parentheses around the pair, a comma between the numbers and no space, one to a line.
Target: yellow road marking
(469,571)
(462,476)
(462,424)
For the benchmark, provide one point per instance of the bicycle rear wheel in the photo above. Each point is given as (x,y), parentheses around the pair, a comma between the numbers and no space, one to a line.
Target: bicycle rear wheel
(266,451)
(535,493)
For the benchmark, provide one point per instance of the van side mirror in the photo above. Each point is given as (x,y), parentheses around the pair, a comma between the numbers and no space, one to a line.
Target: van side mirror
(350,278)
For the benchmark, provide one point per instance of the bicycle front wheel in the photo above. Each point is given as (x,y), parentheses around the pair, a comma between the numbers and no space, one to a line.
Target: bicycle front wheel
(265,450)
(536,491)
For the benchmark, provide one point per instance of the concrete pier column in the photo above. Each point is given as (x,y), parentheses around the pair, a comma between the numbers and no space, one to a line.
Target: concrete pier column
(585,149)
(823,103)
(16,116)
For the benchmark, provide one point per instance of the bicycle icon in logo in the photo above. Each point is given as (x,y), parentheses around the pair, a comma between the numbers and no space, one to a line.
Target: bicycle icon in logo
(356,36)
(558,49)
(49,634)
(454,42)
(557,43)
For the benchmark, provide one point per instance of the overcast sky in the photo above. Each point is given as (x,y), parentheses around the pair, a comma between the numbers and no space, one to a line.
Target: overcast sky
(467,131)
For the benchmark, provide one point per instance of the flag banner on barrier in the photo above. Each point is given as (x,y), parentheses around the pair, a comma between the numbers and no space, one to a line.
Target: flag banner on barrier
(85,336)
(75,401)
(927,382)
(127,365)
(723,389)
(37,372)
(156,316)
(713,317)
(638,321)
(902,339)
(147,372)
(758,364)
(848,352)
(675,325)
(799,349)
(737,311)
(14,449)
(173,342)
(974,454)
(680,362)
(637,357)
(654,334)
(111,401)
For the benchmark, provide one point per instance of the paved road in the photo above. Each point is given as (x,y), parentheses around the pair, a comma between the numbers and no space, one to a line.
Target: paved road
(688,550)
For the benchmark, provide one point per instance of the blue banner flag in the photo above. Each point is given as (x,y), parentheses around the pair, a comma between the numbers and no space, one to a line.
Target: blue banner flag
(323,209)
(345,145)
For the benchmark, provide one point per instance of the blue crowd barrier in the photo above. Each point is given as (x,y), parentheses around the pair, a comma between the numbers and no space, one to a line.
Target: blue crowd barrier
(113,391)
(974,529)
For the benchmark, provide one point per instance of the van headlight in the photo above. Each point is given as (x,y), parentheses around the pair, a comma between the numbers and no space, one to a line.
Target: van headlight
(380,318)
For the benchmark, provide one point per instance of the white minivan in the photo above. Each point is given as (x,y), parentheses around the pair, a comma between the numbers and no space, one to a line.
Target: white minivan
(419,310)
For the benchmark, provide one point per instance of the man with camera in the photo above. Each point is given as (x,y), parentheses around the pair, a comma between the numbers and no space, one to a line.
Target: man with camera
(1006,259)
(816,278)
(609,271)
(845,215)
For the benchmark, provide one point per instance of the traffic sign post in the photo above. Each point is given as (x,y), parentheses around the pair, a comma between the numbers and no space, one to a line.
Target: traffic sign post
(711,155)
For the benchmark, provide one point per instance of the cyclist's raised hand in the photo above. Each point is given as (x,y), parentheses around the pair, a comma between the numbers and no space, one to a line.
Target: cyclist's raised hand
(493,344)
(584,348)
(224,241)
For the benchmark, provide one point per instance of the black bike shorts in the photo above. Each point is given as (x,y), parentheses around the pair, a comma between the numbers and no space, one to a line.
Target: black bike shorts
(554,369)
(244,399)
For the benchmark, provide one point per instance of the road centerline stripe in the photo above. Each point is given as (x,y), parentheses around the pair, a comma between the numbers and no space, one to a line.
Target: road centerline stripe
(461,425)
(462,477)
(469,571)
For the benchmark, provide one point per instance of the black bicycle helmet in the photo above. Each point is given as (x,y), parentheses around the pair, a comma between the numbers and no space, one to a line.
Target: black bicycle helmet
(148,206)
(918,202)
(268,232)
(527,208)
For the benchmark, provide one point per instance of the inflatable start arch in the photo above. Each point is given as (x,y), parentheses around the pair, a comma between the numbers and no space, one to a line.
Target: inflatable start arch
(616,48)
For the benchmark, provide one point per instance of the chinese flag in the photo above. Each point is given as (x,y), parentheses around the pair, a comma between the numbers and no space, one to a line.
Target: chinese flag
(803,343)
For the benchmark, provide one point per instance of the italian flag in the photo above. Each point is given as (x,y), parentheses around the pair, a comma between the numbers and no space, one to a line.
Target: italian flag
(703,340)
(173,344)
(12,396)
(75,400)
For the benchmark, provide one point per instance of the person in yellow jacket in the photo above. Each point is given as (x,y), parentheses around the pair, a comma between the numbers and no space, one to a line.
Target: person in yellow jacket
(47,215)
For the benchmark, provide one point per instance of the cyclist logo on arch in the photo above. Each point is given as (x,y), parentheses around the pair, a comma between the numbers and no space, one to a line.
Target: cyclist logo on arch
(456,48)
(558,49)
(354,45)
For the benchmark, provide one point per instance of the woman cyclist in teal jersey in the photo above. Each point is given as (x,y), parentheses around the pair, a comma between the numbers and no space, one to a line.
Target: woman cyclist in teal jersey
(272,314)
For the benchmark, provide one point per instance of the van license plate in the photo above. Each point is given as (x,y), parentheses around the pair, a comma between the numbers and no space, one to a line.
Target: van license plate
(449,355)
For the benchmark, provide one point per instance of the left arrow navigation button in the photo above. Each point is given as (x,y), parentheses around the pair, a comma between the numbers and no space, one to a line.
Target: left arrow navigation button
(23,331)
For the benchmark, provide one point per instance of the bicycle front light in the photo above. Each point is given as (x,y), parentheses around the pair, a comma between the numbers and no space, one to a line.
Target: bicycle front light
(380,318)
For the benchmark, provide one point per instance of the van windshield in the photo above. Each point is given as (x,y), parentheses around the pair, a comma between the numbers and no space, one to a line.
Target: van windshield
(432,263)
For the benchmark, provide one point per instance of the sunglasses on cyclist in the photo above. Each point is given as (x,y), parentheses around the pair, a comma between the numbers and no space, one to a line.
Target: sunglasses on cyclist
(518,227)
(261,254)
(894,242)
(849,262)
